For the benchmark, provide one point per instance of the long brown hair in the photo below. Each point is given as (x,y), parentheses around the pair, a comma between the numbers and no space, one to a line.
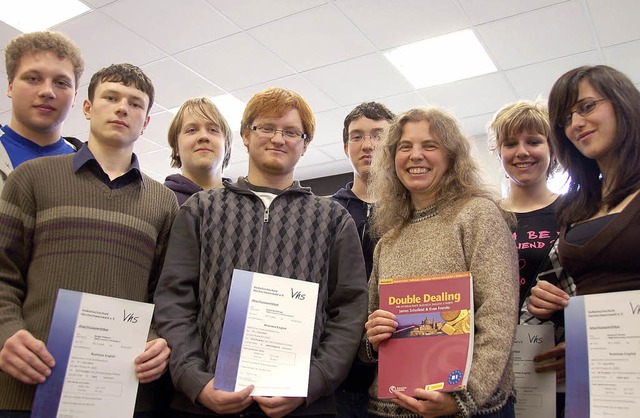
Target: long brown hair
(461,181)
(584,197)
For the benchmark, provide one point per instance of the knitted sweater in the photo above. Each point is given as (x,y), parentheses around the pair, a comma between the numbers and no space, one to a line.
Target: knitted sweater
(300,236)
(61,229)
(469,236)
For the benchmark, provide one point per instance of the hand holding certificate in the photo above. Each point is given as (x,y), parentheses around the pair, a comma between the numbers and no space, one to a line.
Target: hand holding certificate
(536,391)
(603,355)
(95,341)
(267,335)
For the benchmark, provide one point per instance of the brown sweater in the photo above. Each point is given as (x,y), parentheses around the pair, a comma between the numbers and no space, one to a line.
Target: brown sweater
(60,229)
(470,236)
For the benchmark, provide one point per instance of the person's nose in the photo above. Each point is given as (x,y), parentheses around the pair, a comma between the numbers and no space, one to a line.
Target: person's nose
(46,89)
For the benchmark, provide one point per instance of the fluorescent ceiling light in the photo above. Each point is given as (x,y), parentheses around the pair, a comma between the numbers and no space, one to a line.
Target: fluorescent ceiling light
(230,106)
(442,59)
(34,15)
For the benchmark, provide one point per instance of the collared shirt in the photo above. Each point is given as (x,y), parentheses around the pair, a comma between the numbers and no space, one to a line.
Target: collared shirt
(84,159)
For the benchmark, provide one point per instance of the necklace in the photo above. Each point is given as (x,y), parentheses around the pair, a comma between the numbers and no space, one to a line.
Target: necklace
(426,213)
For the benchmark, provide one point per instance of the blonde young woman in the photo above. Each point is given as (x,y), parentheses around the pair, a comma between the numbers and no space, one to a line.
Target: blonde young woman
(519,136)
(435,216)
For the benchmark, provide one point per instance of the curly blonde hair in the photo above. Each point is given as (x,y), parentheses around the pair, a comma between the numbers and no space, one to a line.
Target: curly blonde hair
(461,180)
(43,41)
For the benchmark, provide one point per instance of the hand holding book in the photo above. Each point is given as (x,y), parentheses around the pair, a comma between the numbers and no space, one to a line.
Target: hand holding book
(380,326)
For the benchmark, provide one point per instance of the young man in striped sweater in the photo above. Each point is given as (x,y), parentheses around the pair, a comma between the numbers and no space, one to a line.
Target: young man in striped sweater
(90,222)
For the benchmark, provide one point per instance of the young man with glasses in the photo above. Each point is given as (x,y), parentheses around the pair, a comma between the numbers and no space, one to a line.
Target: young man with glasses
(266,223)
(43,70)
(363,128)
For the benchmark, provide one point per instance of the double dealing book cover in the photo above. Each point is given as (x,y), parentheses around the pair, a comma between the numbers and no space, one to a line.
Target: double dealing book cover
(433,344)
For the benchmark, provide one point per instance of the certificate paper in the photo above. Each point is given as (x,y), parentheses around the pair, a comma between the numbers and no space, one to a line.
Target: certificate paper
(536,391)
(603,355)
(267,335)
(94,340)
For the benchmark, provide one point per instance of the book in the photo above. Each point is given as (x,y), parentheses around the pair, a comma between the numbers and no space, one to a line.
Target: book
(433,344)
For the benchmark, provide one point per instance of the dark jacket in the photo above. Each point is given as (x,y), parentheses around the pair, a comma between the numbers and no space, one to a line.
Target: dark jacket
(182,187)
(361,374)
(361,213)
(300,236)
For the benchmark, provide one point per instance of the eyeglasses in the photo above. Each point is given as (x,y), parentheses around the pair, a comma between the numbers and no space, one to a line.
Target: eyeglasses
(583,109)
(359,137)
(269,131)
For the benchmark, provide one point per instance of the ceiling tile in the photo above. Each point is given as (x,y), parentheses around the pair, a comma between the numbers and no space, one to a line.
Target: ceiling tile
(626,58)
(476,125)
(158,162)
(7,33)
(116,44)
(329,126)
(143,146)
(359,79)
(251,13)
(175,83)
(404,102)
(318,101)
(313,156)
(5,102)
(76,123)
(615,21)
(95,4)
(158,127)
(237,169)
(472,96)
(520,40)
(238,150)
(391,23)
(314,46)
(536,80)
(5,118)
(488,10)
(334,150)
(191,22)
(235,62)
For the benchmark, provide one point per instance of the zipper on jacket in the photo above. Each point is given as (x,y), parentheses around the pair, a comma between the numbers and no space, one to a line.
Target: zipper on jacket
(265,217)
(364,227)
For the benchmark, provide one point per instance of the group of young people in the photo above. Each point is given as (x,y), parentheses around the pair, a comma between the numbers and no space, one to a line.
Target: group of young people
(86,218)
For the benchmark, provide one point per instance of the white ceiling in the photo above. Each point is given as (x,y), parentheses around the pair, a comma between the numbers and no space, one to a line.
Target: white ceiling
(331,52)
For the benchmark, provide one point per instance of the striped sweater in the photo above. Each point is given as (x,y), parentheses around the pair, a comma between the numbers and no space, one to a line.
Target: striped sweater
(61,229)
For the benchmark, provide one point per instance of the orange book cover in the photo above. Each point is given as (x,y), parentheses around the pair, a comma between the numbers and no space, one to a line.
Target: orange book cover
(433,344)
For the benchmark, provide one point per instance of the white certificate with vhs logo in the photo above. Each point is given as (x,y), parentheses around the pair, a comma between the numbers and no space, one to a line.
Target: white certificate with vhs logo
(603,355)
(267,335)
(94,340)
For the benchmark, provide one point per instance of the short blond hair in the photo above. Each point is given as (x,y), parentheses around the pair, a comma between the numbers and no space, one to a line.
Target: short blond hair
(204,108)
(517,117)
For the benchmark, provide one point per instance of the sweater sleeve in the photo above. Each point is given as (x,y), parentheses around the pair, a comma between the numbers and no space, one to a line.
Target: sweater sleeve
(491,257)
(161,248)
(176,299)
(346,311)
(366,353)
(17,220)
